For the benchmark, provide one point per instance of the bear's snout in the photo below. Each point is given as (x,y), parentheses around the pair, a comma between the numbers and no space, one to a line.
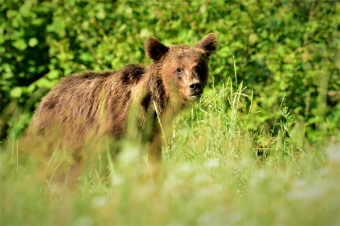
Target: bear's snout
(195,87)
(196,90)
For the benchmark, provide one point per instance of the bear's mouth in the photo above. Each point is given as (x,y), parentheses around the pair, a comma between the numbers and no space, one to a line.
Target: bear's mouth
(194,96)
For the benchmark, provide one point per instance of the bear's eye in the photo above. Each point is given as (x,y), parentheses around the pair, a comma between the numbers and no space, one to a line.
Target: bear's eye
(198,67)
(179,70)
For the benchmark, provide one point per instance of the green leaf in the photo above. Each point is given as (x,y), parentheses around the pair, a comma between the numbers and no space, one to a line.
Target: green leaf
(32,42)
(45,83)
(16,92)
(86,56)
(101,14)
(20,44)
(53,74)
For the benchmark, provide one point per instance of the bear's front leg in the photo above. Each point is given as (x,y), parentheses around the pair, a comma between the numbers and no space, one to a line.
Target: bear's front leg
(155,148)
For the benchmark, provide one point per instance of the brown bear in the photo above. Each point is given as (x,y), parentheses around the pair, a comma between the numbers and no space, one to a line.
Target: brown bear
(92,105)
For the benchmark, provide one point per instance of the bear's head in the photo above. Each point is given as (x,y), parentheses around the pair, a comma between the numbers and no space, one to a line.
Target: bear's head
(184,69)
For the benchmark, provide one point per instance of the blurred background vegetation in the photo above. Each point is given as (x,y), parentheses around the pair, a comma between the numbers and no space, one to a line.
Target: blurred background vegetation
(286,52)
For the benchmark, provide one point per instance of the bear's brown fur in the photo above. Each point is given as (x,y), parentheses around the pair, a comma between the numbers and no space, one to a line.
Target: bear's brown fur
(98,104)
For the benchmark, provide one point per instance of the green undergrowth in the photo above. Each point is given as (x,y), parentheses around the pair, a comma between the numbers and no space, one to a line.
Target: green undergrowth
(216,170)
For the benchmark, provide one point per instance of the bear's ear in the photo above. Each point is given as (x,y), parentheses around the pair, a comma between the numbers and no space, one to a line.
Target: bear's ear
(208,44)
(154,49)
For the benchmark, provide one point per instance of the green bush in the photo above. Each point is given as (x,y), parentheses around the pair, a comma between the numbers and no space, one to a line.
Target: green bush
(286,52)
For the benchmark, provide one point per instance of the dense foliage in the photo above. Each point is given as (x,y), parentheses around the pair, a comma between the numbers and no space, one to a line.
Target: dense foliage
(241,156)
(286,52)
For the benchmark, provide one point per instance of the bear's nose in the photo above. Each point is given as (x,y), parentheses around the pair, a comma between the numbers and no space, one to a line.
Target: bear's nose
(195,86)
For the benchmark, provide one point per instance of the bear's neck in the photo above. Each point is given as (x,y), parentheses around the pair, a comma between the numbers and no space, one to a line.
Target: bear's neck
(157,94)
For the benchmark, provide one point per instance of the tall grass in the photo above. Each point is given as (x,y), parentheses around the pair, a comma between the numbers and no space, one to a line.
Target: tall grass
(215,171)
